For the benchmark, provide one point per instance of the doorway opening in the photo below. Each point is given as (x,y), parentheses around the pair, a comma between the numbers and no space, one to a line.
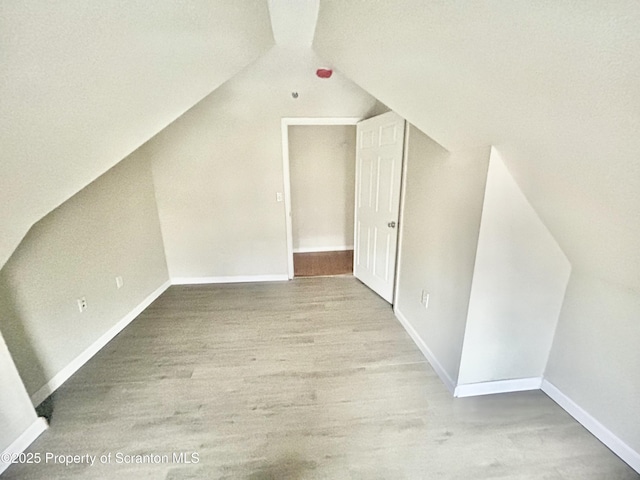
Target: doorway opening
(319,176)
(378,172)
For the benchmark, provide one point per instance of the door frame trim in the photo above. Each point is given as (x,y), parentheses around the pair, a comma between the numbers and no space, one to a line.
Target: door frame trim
(403,196)
(286,172)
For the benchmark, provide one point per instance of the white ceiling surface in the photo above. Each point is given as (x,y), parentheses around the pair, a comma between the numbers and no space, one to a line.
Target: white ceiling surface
(294,22)
(83,84)
(555,85)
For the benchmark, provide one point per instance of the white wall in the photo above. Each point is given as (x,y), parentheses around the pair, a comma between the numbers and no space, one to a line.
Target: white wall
(322,172)
(442,207)
(83,84)
(218,168)
(16,411)
(109,228)
(595,359)
(519,280)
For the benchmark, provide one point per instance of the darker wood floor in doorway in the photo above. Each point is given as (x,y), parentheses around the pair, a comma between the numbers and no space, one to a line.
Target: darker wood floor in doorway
(314,264)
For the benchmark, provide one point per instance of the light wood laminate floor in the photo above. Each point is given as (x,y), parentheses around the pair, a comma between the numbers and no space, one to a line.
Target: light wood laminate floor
(309,379)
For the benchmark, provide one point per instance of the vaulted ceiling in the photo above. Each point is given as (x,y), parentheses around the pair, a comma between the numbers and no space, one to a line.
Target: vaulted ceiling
(83,84)
(555,85)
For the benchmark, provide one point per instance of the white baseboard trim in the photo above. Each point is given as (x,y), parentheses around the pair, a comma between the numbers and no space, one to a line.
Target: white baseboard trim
(229,279)
(21,443)
(602,433)
(339,248)
(63,375)
(498,386)
(426,351)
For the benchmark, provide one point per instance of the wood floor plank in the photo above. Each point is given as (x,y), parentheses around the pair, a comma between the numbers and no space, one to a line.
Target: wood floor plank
(314,264)
(309,379)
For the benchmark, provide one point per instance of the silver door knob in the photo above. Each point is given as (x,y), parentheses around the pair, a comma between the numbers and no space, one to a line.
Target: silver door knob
(391,224)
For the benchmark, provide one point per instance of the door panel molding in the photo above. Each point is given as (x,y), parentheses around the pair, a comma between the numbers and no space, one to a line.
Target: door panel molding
(379,173)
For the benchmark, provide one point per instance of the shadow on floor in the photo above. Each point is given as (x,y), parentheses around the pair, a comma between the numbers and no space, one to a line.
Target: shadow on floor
(45,409)
(289,467)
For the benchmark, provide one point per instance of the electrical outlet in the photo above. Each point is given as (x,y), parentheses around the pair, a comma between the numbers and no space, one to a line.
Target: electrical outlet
(424,299)
(279,197)
(82,304)
(119,282)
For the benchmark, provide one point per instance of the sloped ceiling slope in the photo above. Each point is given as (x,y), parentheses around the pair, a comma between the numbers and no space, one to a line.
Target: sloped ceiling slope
(554,85)
(83,84)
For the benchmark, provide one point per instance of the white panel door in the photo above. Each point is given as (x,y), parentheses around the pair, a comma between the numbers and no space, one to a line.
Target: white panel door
(379,154)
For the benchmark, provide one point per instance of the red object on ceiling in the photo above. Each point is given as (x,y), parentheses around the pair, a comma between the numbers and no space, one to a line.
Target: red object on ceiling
(324,72)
